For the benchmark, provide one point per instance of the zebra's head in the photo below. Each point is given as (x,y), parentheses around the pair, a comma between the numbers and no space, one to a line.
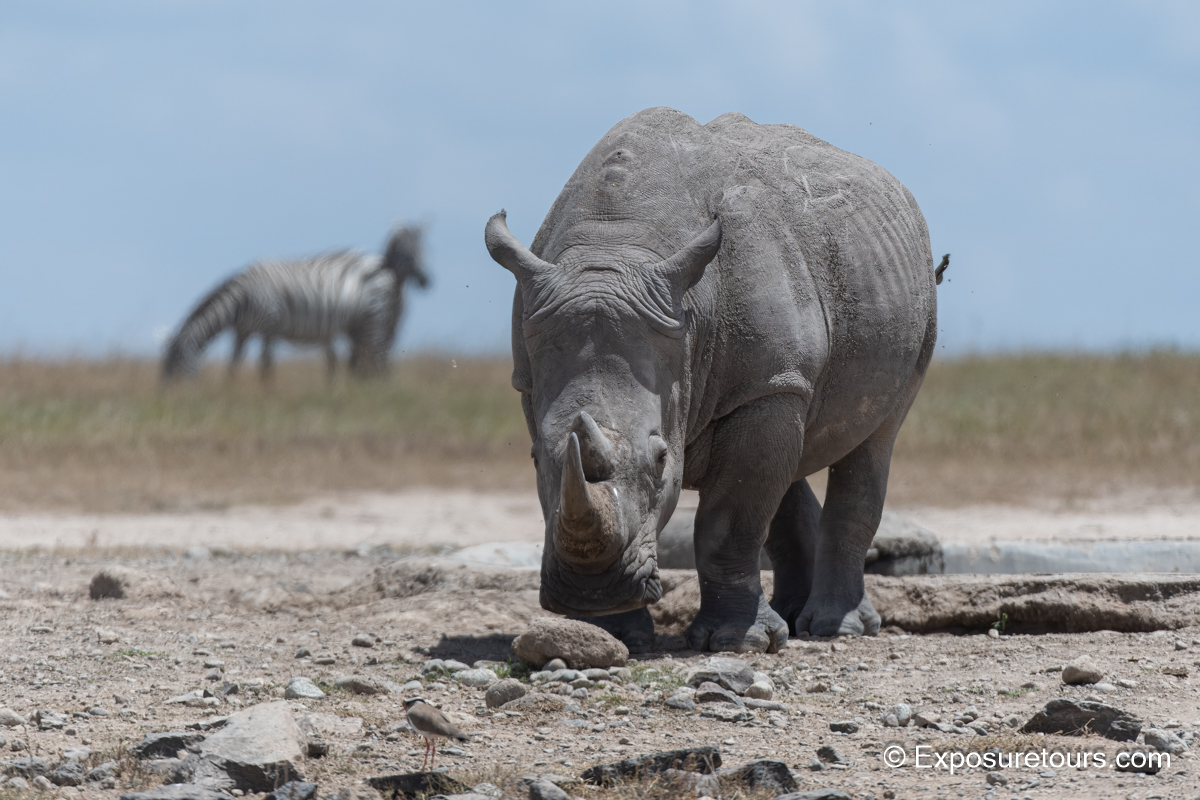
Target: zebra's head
(404,255)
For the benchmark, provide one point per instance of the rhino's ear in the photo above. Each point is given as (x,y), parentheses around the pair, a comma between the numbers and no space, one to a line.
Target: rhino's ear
(682,270)
(511,254)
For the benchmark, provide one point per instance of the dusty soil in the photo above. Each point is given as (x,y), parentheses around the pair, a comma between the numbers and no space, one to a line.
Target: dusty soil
(254,611)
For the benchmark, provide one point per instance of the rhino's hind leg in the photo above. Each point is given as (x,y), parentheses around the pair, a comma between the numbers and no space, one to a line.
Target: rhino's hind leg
(754,455)
(837,603)
(791,544)
(634,628)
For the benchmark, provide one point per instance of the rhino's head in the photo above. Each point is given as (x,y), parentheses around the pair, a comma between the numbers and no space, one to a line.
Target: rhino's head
(601,362)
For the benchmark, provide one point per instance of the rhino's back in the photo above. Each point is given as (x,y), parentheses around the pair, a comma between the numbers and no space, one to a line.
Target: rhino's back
(824,284)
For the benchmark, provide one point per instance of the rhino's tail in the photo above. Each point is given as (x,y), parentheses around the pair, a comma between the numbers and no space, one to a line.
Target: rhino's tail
(937,273)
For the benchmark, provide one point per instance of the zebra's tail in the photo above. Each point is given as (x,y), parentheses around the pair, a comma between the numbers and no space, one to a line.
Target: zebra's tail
(214,314)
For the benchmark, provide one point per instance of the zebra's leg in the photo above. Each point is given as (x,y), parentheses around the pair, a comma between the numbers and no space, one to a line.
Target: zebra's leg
(239,350)
(330,360)
(267,362)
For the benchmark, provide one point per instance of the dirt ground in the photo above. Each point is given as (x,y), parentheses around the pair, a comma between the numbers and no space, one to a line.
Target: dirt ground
(253,611)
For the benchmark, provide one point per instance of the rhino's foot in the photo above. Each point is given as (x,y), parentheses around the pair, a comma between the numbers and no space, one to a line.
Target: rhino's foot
(727,630)
(634,628)
(834,616)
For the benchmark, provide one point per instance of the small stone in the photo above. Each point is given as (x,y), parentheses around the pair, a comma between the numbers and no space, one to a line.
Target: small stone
(363,640)
(1179,645)
(903,713)
(1081,672)
(733,674)
(831,755)
(996,779)
(214,663)
(503,692)
(926,719)
(1125,683)
(10,718)
(301,688)
(18,783)
(1107,688)
(1165,742)
(412,686)
(709,692)
(42,783)
(553,665)
(681,702)
(760,690)
(303,652)
(476,678)
(213,675)
(1178,671)
(356,684)
(107,636)
(844,726)
(993,633)
(890,721)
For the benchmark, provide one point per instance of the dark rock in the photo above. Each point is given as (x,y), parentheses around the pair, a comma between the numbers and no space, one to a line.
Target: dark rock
(70,773)
(1078,717)
(709,692)
(816,794)
(294,790)
(414,784)
(177,791)
(844,726)
(102,772)
(166,745)
(730,673)
(763,773)
(728,712)
(693,759)
(542,789)
(29,767)
(831,755)
(681,702)
(48,720)
(317,748)
(1140,760)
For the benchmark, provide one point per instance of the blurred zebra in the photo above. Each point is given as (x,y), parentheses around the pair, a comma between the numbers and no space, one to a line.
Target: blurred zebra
(312,301)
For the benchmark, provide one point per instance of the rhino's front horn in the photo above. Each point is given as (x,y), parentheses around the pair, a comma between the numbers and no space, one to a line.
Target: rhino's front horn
(596,452)
(587,533)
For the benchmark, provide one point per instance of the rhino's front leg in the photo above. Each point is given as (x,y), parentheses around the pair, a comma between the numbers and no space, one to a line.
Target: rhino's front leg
(754,457)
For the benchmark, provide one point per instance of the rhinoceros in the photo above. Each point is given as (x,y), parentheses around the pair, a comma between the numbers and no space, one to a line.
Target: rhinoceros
(727,307)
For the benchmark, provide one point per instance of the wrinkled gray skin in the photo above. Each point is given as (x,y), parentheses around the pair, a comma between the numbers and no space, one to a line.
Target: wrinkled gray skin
(731,308)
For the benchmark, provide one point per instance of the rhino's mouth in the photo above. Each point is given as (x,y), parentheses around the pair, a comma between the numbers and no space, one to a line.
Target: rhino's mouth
(567,592)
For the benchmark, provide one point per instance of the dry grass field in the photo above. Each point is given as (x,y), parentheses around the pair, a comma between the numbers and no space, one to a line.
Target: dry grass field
(106,436)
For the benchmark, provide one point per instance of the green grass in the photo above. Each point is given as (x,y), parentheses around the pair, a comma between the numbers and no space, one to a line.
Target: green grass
(106,436)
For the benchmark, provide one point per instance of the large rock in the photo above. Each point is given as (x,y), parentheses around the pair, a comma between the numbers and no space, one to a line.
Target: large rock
(577,643)
(729,673)
(123,583)
(1162,741)
(694,759)
(1080,717)
(1037,603)
(166,745)
(256,750)
(1081,672)
(177,791)
(476,678)
(412,784)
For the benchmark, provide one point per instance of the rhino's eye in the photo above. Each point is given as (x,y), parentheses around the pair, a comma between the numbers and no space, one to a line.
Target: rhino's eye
(658,454)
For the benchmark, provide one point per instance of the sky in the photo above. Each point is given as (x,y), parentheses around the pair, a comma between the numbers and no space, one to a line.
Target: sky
(150,149)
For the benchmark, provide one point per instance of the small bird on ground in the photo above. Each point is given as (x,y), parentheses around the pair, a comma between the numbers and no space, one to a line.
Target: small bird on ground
(433,725)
